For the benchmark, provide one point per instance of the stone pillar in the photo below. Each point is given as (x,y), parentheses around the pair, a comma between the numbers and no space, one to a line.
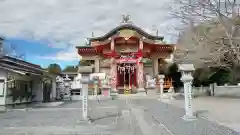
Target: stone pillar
(155,67)
(54,88)
(187,78)
(85,80)
(161,82)
(85,101)
(97,69)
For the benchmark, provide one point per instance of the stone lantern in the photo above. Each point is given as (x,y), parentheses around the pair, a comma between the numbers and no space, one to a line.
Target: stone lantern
(67,85)
(186,71)
(161,82)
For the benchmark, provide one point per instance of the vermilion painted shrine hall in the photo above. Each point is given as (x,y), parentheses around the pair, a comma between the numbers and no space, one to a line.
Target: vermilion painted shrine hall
(121,52)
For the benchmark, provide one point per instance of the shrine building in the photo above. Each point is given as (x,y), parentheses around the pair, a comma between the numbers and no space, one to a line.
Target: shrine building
(123,53)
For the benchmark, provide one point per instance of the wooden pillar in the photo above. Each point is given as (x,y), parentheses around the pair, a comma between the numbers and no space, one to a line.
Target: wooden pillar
(113,71)
(112,45)
(113,74)
(140,70)
(140,66)
(140,74)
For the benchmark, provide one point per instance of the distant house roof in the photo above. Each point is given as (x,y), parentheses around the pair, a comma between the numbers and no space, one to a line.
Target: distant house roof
(17,65)
(69,73)
(126,26)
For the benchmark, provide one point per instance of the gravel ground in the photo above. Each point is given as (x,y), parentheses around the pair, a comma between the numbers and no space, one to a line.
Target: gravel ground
(171,117)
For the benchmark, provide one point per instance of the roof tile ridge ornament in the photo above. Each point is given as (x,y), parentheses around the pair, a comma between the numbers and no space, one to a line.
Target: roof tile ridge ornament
(87,42)
(126,19)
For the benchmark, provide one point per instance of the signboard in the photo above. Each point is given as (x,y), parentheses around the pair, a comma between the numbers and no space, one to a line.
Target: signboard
(128,56)
(126,49)
(100,76)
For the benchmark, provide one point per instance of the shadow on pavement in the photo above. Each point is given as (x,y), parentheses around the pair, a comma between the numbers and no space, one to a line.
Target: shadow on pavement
(114,115)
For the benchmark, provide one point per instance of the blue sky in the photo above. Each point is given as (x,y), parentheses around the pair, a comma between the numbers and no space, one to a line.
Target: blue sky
(38,53)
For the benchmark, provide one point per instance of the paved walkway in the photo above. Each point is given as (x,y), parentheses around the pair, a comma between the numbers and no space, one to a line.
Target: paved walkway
(114,117)
(171,117)
(107,118)
(218,109)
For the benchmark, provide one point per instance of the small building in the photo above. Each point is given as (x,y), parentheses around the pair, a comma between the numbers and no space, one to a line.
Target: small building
(123,53)
(24,82)
(70,75)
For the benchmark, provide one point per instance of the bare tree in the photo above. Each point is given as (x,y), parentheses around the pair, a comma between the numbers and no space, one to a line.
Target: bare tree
(9,49)
(1,46)
(213,31)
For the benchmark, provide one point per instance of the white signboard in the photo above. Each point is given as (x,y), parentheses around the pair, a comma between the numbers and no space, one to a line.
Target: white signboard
(101,76)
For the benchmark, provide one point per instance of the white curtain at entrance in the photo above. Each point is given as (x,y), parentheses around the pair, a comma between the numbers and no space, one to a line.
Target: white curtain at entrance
(126,68)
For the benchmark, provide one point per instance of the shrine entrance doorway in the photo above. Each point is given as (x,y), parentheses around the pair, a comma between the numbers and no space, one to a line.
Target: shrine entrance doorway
(126,76)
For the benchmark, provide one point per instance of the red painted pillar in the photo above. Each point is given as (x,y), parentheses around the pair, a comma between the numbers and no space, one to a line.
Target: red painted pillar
(135,77)
(140,68)
(113,68)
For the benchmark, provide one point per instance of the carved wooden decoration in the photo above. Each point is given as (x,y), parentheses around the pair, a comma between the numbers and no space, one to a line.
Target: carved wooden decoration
(125,48)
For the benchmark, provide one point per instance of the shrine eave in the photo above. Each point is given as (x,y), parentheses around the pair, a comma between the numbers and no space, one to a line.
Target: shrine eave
(126,26)
(86,49)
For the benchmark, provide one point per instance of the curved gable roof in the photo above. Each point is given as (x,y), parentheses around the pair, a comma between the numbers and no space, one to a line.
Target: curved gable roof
(126,26)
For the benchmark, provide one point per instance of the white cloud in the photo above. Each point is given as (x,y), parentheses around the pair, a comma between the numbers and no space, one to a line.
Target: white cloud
(66,55)
(65,23)
(70,21)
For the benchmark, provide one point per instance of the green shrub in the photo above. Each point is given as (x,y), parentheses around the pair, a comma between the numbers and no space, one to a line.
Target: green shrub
(221,76)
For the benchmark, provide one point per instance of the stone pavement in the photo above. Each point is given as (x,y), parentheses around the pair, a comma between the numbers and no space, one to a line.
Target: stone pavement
(107,118)
(218,109)
(113,117)
(171,118)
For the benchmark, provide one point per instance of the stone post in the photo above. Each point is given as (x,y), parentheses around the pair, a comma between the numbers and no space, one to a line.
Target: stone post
(85,101)
(96,87)
(155,67)
(161,82)
(186,70)
(96,64)
(54,88)
(85,80)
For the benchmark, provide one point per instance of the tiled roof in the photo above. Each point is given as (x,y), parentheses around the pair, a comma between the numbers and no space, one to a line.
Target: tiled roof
(126,26)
